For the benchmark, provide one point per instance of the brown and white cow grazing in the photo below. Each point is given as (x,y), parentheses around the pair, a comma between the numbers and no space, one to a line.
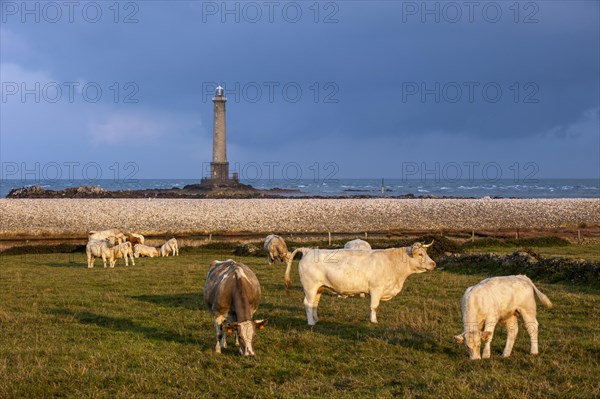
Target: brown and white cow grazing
(232,295)
(276,249)
(380,273)
(494,300)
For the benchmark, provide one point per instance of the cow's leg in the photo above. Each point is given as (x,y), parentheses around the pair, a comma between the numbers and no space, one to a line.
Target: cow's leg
(488,334)
(131,257)
(316,305)
(309,306)
(104,260)
(221,334)
(375,298)
(531,324)
(512,328)
(237,339)
(309,312)
(90,261)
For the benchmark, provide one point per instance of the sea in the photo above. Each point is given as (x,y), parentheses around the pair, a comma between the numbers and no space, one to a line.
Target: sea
(505,188)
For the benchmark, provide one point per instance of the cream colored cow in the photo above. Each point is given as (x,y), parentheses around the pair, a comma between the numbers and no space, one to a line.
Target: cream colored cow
(169,246)
(499,300)
(358,244)
(104,234)
(100,249)
(124,250)
(135,238)
(145,250)
(381,273)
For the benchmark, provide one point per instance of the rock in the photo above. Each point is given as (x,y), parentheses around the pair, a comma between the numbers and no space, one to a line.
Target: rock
(247,250)
(26,192)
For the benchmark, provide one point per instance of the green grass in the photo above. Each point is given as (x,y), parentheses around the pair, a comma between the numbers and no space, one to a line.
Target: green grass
(572,251)
(142,331)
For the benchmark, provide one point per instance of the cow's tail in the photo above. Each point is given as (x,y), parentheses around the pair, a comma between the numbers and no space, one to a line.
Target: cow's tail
(543,298)
(290,260)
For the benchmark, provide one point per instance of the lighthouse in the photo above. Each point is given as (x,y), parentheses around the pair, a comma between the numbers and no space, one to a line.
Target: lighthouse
(219,167)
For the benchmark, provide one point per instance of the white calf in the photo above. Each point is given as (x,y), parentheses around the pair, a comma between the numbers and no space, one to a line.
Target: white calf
(144,250)
(169,246)
(124,251)
(99,249)
(499,299)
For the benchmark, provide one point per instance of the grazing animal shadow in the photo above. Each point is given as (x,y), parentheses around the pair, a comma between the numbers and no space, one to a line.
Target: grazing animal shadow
(423,341)
(192,301)
(81,265)
(292,309)
(126,325)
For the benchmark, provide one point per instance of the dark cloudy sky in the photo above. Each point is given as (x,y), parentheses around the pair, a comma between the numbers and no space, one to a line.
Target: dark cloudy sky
(372,87)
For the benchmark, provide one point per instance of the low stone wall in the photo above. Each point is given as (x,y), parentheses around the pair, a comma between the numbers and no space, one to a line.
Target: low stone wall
(156,216)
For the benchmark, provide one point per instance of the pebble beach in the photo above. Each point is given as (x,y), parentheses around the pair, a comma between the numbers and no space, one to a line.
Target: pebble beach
(49,217)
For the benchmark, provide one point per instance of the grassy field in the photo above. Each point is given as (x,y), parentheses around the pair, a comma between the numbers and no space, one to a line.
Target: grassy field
(142,331)
(587,251)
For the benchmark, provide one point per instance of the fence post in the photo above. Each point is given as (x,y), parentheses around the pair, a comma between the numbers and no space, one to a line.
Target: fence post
(329,233)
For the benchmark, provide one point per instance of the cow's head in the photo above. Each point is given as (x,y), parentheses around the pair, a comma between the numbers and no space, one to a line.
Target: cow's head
(418,258)
(472,340)
(246,331)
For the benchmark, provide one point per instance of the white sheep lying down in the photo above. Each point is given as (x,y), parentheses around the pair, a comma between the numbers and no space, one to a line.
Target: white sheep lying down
(100,249)
(170,246)
(145,250)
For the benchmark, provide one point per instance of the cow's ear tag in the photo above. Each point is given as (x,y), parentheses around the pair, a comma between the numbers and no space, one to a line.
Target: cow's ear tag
(261,324)
(231,328)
